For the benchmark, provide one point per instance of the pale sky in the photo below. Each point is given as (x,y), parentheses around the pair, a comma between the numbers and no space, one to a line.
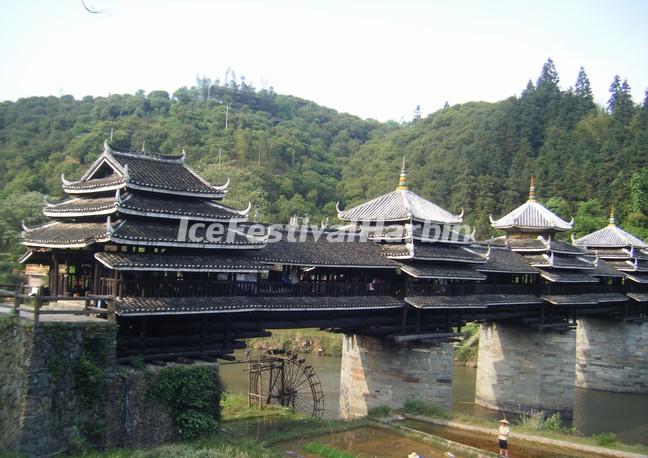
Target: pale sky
(375,59)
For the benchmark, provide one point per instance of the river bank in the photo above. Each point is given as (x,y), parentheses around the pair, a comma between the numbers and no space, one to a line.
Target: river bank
(330,344)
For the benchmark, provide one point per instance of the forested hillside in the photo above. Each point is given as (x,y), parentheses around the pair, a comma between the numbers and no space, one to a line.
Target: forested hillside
(291,156)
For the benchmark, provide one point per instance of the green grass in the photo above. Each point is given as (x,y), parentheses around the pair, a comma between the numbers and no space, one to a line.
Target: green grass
(379,411)
(301,341)
(327,451)
(245,432)
(466,353)
(417,407)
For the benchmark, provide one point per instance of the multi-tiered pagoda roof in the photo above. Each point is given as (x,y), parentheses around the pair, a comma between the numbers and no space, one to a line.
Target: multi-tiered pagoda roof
(531,217)
(432,248)
(625,252)
(530,232)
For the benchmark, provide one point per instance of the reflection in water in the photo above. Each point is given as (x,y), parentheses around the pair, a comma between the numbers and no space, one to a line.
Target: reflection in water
(594,411)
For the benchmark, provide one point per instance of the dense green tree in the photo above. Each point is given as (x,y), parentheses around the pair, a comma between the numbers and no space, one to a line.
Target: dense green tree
(289,156)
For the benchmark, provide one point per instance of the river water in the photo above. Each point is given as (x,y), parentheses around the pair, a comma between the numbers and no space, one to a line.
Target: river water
(594,411)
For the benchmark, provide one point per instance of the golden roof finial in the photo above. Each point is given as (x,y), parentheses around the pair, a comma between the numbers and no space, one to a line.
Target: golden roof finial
(532,190)
(612,218)
(402,181)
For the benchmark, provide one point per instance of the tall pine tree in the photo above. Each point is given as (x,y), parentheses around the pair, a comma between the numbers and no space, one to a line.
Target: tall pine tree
(620,104)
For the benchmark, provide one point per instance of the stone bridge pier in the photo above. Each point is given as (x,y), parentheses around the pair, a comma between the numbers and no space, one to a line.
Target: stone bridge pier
(378,372)
(520,369)
(612,355)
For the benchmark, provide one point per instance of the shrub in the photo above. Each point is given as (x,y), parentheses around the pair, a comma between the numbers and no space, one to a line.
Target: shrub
(193,396)
(533,420)
(605,438)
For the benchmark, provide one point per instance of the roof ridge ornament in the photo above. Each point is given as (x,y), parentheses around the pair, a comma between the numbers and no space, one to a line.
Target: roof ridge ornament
(118,196)
(246,211)
(126,176)
(461,214)
(488,252)
(107,148)
(402,180)
(532,190)
(109,228)
(337,208)
(183,158)
(612,222)
(64,181)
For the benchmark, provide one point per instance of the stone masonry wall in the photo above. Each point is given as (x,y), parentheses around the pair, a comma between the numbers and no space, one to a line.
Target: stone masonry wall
(378,372)
(612,356)
(519,369)
(49,393)
(60,389)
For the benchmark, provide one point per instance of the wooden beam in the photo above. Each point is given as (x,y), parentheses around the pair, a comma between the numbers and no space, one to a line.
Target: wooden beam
(431,336)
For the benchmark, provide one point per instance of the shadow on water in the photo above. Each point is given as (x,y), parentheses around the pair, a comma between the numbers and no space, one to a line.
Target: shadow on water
(594,412)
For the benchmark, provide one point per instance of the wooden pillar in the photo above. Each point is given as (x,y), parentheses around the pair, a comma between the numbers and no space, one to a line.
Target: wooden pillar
(95,278)
(54,291)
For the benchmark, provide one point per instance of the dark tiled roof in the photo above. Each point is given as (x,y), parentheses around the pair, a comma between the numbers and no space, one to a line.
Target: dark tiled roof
(157,233)
(530,244)
(481,301)
(308,252)
(156,205)
(532,216)
(605,269)
(162,173)
(82,206)
(503,260)
(236,261)
(637,277)
(444,252)
(429,251)
(399,205)
(65,234)
(396,250)
(611,253)
(559,261)
(446,270)
(630,265)
(569,276)
(186,305)
(570,299)
(611,236)
(559,246)
(639,297)
(99,184)
(584,299)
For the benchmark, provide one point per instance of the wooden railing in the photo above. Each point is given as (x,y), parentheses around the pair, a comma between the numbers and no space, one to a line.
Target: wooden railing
(134,288)
(428,289)
(34,305)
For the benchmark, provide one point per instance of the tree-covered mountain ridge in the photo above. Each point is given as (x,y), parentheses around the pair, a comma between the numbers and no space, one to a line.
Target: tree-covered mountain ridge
(291,156)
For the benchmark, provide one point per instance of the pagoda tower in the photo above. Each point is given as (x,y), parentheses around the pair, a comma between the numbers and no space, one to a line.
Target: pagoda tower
(611,352)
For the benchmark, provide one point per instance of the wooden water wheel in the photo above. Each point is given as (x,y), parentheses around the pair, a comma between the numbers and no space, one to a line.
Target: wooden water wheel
(281,378)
